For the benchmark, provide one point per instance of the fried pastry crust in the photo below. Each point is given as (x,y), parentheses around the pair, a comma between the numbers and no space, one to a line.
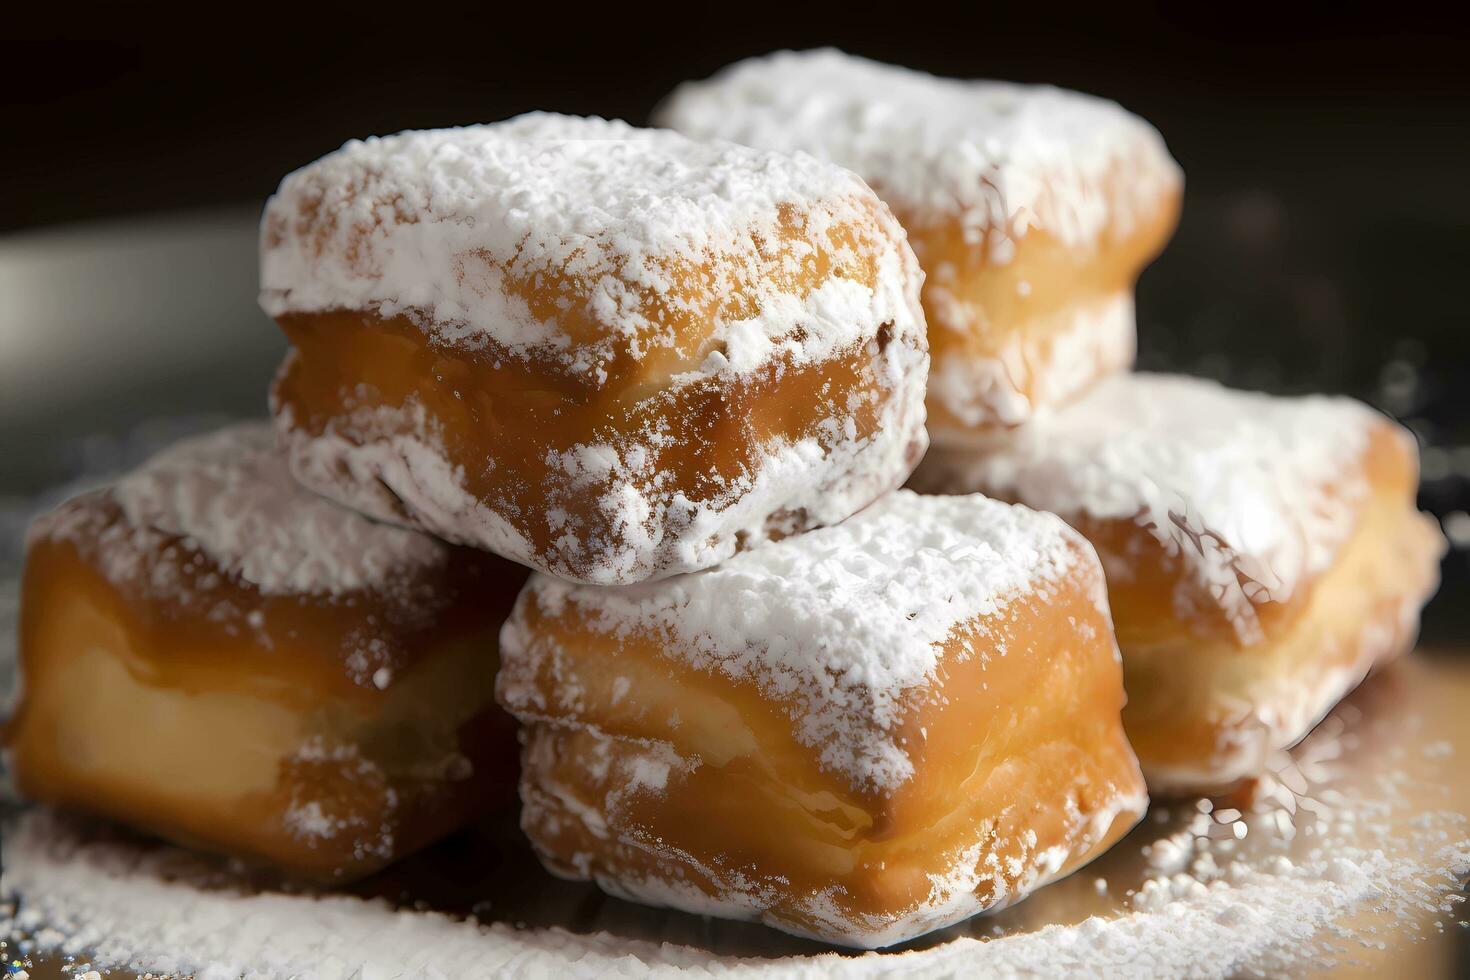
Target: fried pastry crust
(860,734)
(1262,553)
(215,655)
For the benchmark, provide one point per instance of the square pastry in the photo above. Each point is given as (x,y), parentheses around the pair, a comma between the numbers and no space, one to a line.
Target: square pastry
(1262,553)
(609,353)
(214,654)
(859,734)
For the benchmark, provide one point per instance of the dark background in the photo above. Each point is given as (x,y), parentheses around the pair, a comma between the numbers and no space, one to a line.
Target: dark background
(1359,108)
(1326,230)
(1325,243)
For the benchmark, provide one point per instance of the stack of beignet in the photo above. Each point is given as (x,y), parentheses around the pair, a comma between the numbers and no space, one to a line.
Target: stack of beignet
(683,382)
(1261,553)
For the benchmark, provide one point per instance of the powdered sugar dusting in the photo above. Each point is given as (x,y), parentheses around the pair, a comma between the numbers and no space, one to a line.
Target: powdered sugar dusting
(1234,483)
(404,465)
(842,621)
(448,225)
(310,821)
(645,521)
(1001,158)
(639,262)
(230,497)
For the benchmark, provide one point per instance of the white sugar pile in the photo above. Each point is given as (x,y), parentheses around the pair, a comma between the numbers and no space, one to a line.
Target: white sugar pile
(118,907)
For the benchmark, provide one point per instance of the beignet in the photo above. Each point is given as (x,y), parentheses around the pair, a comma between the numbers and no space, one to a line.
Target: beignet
(214,654)
(611,354)
(1032,210)
(859,734)
(1262,553)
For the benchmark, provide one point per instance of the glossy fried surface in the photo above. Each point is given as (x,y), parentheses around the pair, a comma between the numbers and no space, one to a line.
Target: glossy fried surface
(682,785)
(1262,554)
(1204,711)
(544,472)
(323,735)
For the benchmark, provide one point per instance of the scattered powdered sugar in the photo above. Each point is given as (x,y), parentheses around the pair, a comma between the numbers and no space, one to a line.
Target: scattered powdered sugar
(843,621)
(230,496)
(447,225)
(1234,483)
(1337,859)
(999,157)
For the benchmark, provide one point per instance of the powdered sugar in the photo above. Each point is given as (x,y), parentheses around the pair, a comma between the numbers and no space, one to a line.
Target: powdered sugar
(369,831)
(230,497)
(1234,483)
(844,621)
(446,226)
(404,466)
(999,158)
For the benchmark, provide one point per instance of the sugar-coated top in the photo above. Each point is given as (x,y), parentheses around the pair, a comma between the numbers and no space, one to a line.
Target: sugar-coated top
(842,622)
(571,240)
(999,157)
(230,496)
(1231,481)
